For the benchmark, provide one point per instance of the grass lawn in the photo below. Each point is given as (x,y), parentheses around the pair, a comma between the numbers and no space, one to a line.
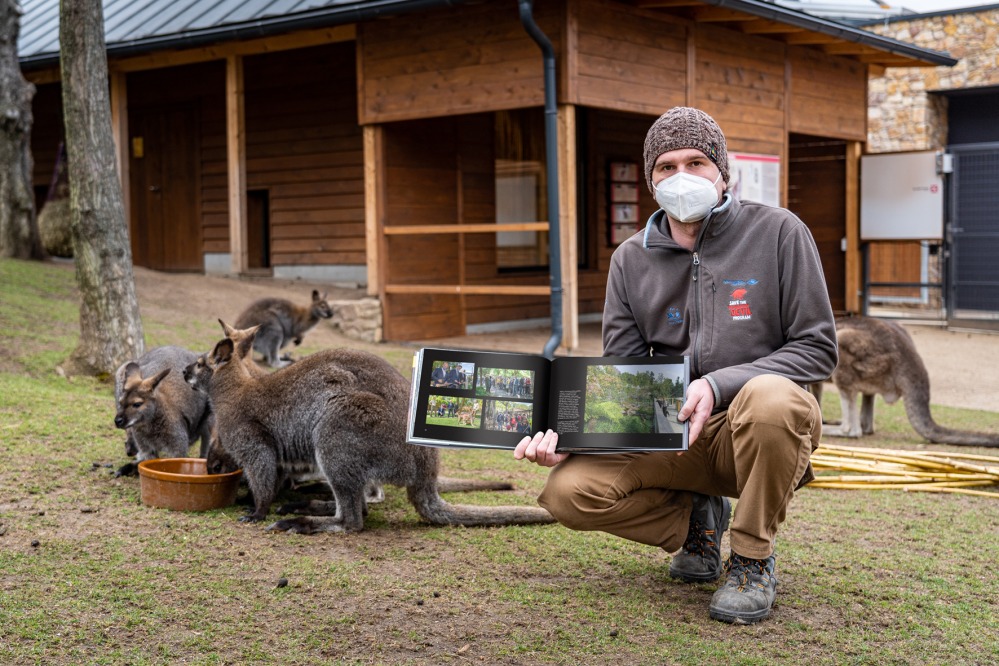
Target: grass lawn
(89,575)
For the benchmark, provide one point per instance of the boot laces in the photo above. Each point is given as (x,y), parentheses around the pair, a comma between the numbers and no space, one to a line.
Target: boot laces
(757,573)
(699,541)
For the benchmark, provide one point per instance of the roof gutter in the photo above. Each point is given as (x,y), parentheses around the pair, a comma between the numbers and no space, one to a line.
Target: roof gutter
(551,162)
(324,17)
(798,19)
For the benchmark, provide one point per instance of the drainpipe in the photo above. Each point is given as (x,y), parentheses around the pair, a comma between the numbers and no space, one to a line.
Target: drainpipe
(551,158)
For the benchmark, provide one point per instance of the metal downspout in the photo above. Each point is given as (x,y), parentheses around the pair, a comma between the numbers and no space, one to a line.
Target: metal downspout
(551,159)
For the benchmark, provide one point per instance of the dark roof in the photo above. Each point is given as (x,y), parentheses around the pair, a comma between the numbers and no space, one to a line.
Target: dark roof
(143,26)
(913,16)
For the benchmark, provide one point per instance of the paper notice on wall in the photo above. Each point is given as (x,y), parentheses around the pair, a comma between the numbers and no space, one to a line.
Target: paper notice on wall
(755,177)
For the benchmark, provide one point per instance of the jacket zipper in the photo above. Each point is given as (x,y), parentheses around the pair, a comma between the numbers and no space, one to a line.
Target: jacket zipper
(694,365)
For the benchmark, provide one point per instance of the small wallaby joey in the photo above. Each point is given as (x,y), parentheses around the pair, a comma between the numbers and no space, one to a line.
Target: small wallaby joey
(343,411)
(159,412)
(280,322)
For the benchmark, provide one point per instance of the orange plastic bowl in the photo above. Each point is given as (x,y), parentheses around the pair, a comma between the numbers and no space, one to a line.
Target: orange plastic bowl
(183,484)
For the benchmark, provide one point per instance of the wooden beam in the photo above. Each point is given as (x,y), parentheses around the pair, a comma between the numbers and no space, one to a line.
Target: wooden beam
(472,289)
(119,128)
(764,27)
(806,38)
(173,58)
(490,228)
(691,88)
(853,262)
(666,4)
(720,15)
(294,40)
(42,76)
(568,221)
(852,49)
(374,206)
(236,163)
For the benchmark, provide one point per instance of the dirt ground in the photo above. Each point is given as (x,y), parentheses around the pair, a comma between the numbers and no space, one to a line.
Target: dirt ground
(963,365)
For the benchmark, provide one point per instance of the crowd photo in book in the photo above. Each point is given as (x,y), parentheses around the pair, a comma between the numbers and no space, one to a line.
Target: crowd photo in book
(476,399)
(632,399)
(452,374)
(505,383)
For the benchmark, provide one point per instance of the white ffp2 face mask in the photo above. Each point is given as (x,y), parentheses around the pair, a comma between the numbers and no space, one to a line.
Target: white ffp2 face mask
(687,198)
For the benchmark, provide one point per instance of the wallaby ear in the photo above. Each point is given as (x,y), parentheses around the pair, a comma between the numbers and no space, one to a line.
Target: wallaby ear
(315,296)
(244,347)
(132,373)
(222,352)
(155,381)
(227,329)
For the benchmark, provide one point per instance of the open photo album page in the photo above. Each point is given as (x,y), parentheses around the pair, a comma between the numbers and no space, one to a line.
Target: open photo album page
(474,399)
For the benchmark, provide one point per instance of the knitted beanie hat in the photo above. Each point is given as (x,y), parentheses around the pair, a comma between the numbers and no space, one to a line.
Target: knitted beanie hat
(685,127)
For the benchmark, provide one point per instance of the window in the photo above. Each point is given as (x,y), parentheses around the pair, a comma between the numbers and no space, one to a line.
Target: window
(521,189)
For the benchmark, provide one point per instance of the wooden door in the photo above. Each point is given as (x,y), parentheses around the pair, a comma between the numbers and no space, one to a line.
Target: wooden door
(817,194)
(166,221)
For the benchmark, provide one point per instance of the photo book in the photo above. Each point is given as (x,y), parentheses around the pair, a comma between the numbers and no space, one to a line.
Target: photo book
(477,399)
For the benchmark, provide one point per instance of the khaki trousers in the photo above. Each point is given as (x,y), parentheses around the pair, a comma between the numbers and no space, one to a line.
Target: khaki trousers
(758,451)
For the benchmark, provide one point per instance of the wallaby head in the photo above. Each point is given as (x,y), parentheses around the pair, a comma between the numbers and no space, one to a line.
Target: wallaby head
(218,461)
(320,307)
(238,344)
(138,401)
(199,374)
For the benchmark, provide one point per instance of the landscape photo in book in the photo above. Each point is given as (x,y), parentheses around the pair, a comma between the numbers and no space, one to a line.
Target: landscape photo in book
(476,399)
(633,399)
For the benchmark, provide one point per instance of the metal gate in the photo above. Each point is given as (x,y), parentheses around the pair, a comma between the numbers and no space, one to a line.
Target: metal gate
(973,236)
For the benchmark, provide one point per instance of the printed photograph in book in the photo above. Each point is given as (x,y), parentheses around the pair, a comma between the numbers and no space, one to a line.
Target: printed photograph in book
(452,374)
(595,404)
(633,399)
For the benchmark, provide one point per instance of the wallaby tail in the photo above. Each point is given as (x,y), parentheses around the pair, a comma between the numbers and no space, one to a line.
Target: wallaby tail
(436,511)
(917,408)
(447,484)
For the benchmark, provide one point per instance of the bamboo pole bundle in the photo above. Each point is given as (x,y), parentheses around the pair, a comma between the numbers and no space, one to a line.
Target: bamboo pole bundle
(922,471)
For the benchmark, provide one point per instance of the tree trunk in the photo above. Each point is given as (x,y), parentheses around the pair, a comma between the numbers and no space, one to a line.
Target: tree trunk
(18,229)
(110,326)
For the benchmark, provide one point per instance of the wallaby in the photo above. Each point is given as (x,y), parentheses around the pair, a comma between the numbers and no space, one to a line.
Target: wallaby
(198,375)
(282,322)
(879,357)
(344,411)
(160,414)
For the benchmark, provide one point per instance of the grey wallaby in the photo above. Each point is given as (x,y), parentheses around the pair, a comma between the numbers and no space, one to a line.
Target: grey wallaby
(198,375)
(343,411)
(879,357)
(281,323)
(159,412)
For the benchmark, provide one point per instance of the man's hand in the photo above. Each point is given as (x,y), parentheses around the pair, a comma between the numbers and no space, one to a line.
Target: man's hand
(700,402)
(540,449)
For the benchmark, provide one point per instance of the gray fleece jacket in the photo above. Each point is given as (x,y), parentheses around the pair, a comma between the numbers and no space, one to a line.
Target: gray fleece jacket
(750,299)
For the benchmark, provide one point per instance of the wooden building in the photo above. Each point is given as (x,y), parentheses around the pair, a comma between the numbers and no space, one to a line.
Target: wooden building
(400,144)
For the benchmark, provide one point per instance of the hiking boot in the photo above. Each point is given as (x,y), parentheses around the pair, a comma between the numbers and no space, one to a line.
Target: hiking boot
(700,560)
(747,595)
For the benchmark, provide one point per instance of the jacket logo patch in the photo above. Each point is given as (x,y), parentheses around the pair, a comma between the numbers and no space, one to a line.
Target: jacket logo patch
(738,305)
(674,317)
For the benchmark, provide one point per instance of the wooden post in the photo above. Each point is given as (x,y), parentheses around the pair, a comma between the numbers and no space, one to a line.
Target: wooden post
(853,262)
(119,130)
(374,208)
(236,162)
(568,221)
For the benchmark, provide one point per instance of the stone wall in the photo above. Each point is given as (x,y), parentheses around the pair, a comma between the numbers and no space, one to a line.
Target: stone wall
(902,114)
(359,319)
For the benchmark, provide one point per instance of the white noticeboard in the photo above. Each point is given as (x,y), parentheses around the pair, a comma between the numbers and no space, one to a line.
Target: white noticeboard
(754,177)
(901,197)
